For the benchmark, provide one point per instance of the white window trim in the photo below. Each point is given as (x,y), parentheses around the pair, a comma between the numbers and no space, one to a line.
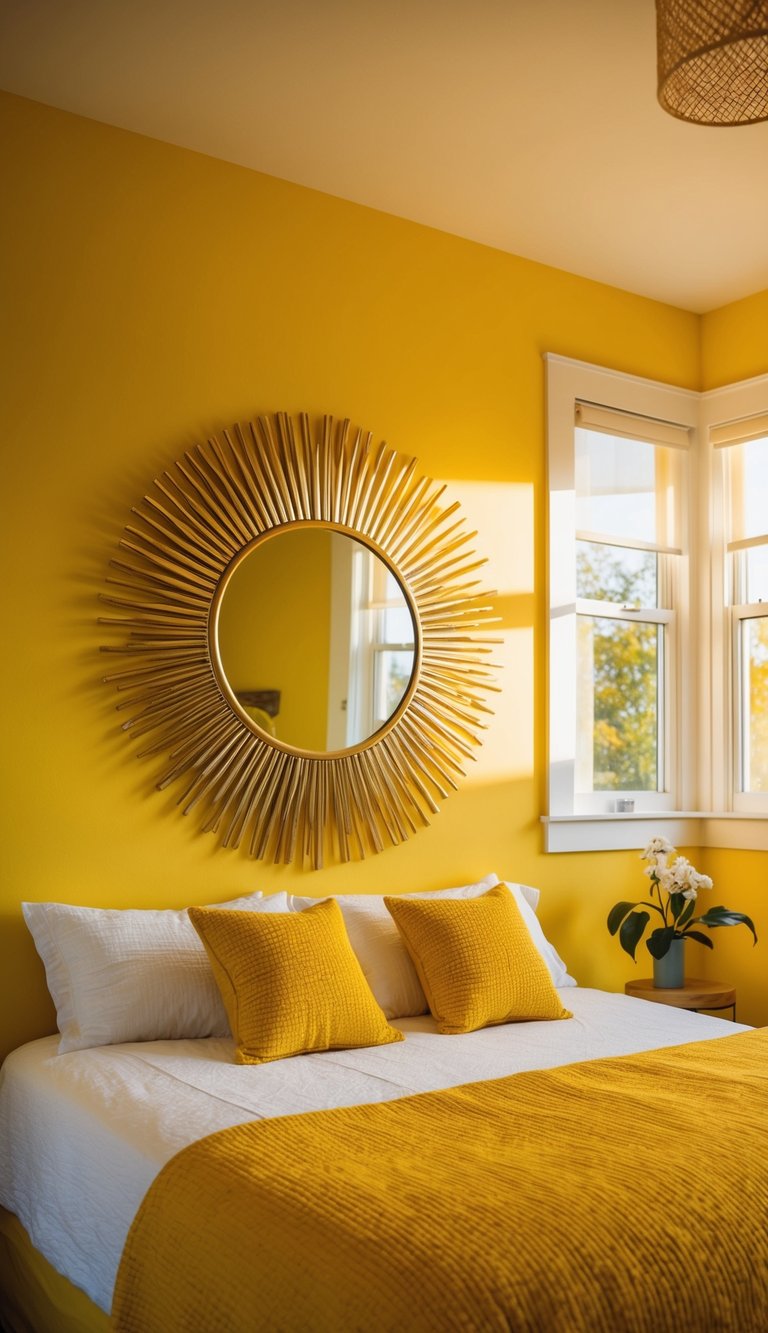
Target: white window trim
(700,697)
(684,828)
(731,403)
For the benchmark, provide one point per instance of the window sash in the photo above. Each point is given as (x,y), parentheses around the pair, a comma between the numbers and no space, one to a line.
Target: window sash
(586,797)
(633,543)
(570,383)
(744,798)
(653,615)
(668,464)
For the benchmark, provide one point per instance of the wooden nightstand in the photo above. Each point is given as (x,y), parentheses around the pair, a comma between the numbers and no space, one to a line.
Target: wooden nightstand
(695,994)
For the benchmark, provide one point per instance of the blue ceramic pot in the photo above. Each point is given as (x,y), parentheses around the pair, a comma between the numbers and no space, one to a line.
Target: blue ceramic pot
(669,971)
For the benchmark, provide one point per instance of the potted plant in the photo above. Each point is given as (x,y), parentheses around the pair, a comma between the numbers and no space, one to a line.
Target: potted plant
(675,886)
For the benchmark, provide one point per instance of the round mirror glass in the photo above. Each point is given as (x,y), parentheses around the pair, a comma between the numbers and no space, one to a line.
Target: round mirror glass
(316,639)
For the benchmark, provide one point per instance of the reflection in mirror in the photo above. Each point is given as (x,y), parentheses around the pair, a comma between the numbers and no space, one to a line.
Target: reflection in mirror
(317,617)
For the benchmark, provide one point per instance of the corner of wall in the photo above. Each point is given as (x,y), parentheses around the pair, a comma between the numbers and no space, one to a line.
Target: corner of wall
(732,343)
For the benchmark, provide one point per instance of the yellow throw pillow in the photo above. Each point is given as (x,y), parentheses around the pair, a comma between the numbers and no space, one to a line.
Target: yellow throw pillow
(476,960)
(290,982)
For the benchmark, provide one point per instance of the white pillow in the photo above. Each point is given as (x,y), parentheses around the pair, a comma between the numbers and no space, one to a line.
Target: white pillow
(130,975)
(385,960)
(530,895)
(527,900)
(557,968)
(380,951)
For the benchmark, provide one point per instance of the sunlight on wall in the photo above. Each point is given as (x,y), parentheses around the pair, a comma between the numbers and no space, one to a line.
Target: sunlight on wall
(562,641)
(507,748)
(502,513)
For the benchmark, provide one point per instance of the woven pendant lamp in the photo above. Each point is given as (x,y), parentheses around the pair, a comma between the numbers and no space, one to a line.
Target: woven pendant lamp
(713,60)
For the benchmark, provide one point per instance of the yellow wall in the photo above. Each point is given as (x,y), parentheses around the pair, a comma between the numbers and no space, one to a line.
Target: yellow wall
(734,342)
(740,881)
(155,296)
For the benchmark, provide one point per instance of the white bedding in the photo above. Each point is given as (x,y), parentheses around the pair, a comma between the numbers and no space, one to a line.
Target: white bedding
(83,1135)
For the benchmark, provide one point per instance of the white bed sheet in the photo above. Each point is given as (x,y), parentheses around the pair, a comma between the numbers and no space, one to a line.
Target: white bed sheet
(83,1135)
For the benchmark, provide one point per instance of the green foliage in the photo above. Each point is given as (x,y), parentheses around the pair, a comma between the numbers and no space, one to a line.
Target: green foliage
(723,916)
(624,657)
(631,931)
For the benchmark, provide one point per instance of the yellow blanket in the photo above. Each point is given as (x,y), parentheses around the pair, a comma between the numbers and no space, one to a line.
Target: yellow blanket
(616,1196)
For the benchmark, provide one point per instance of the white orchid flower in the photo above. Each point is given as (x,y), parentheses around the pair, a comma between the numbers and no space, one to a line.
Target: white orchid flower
(657,848)
(682,867)
(669,881)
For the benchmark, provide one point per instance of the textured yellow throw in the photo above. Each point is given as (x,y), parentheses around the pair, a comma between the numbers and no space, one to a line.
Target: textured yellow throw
(615,1196)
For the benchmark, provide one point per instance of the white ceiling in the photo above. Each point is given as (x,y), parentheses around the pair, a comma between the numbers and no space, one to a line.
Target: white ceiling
(528,125)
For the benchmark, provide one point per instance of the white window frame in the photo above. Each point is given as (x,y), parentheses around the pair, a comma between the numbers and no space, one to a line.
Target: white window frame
(600,802)
(722,411)
(379,604)
(701,807)
(358,605)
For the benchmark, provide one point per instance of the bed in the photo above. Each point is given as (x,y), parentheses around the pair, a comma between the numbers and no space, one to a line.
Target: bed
(329,1238)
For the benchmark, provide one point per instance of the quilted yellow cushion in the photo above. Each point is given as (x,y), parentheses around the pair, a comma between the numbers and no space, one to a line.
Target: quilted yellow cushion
(476,960)
(290,982)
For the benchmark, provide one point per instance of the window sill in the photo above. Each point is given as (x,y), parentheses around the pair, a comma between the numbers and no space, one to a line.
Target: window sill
(684,828)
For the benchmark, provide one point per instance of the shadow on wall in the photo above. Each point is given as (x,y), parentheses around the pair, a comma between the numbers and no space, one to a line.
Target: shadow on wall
(25,1004)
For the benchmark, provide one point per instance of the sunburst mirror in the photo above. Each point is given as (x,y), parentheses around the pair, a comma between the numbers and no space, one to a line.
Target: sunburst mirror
(303,638)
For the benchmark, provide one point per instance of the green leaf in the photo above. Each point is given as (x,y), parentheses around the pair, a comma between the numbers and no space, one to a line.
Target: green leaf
(632,930)
(724,916)
(617,914)
(659,941)
(687,913)
(678,904)
(700,936)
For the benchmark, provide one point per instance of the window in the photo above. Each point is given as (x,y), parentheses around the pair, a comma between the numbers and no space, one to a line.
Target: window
(658,625)
(372,644)
(628,489)
(391,643)
(741,452)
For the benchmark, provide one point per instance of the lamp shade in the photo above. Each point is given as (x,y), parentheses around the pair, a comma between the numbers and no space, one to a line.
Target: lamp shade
(713,60)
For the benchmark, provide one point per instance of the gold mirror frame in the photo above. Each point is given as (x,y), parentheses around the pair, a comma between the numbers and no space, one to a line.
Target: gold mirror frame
(204,513)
